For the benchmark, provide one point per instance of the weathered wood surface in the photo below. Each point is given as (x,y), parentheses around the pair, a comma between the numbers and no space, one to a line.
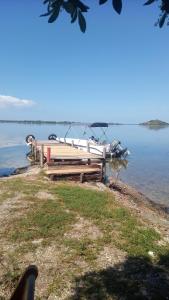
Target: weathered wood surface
(63,170)
(78,177)
(63,151)
(66,161)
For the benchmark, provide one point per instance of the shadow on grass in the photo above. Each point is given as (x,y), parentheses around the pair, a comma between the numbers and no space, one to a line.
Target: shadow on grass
(135,278)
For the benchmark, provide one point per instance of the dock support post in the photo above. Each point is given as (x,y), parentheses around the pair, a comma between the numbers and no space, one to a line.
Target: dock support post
(41,156)
(104,152)
(88,147)
(102,172)
(72,143)
(103,168)
(35,151)
(48,154)
(32,149)
(82,177)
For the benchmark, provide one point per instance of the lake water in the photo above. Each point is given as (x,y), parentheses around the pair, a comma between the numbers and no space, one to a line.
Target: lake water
(147,168)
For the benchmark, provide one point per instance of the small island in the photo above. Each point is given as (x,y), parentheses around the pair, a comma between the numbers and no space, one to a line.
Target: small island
(155,124)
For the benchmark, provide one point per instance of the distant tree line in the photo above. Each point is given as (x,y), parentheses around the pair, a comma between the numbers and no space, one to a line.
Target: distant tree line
(36,122)
(76,10)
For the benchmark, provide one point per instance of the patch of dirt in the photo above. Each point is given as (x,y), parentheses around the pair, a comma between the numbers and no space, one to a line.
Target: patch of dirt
(84,229)
(52,261)
(110,256)
(3,189)
(44,195)
(66,293)
(48,261)
(97,186)
(37,242)
(10,205)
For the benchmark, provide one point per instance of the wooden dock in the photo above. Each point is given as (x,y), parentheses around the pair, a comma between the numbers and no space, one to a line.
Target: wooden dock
(65,161)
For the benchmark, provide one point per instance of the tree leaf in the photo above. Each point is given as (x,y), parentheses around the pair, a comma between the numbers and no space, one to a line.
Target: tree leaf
(82,6)
(149,2)
(54,15)
(165,6)
(162,20)
(56,3)
(102,1)
(74,16)
(46,14)
(117,5)
(82,22)
(68,6)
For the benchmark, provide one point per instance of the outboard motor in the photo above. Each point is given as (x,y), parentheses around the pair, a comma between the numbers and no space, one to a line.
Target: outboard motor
(114,145)
(121,153)
(117,150)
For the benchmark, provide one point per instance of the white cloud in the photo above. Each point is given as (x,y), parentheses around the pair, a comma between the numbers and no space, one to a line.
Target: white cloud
(9,101)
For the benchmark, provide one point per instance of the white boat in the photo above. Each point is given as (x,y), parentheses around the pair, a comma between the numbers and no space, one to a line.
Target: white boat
(93,145)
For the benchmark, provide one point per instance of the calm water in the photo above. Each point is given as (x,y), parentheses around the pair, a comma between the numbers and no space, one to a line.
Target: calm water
(147,168)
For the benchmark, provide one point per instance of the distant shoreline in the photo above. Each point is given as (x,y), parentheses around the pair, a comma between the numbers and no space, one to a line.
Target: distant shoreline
(40,122)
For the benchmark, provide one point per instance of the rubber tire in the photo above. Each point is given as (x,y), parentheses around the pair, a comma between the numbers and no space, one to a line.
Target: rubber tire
(28,137)
(52,137)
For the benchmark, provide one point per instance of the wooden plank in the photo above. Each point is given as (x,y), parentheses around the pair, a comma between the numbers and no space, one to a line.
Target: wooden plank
(82,167)
(72,171)
(65,157)
(46,142)
(41,156)
(75,177)
(66,151)
(56,164)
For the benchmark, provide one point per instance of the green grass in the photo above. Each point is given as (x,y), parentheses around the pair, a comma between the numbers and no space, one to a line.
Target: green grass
(91,204)
(84,248)
(23,185)
(100,207)
(49,220)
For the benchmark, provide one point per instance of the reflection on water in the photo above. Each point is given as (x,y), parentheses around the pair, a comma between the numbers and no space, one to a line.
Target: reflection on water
(115,165)
(155,127)
(147,168)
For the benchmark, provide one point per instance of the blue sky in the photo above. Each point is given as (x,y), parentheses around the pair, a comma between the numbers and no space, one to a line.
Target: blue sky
(117,71)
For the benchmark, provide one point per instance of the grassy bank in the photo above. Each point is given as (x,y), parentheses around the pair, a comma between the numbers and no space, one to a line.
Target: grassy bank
(86,244)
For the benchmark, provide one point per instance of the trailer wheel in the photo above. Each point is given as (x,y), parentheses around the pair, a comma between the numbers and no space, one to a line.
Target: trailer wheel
(52,137)
(30,138)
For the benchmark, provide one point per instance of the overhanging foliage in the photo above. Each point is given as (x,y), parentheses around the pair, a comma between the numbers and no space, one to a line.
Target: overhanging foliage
(76,9)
